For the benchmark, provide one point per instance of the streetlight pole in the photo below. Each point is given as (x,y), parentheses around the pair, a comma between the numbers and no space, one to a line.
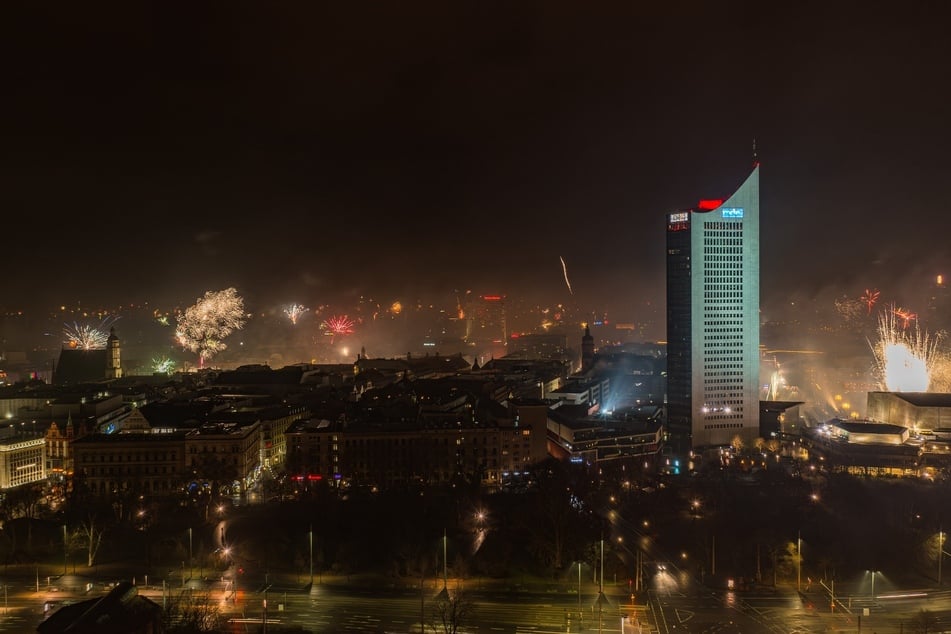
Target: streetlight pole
(264,618)
(579,590)
(189,552)
(799,562)
(65,550)
(601,587)
(940,552)
(310,538)
(445,565)
(873,585)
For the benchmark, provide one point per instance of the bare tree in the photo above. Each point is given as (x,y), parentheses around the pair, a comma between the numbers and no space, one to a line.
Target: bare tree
(451,610)
(551,517)
(924,623)
(191,613)
(89,534)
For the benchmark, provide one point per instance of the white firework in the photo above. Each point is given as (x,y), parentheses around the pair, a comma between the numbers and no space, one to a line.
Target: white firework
(904,360)
(294,312)
(203,327)
(87,337)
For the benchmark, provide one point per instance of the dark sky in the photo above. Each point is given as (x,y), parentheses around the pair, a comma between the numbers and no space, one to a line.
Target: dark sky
(300,150)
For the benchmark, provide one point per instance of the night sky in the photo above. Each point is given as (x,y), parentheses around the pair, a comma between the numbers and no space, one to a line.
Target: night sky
(311,151)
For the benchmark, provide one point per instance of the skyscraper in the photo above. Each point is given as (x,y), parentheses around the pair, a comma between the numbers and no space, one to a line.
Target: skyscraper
(713,319)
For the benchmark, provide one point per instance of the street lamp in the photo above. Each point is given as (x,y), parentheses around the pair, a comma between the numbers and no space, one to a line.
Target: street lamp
(601,597)
(445,565)
(579,590)
(65,550)
(941,552)
(189,552)
(798,562)
(310,539)
(874,572)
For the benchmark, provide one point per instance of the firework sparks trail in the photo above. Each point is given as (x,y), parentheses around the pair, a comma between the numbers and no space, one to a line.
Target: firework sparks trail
(869,298)
(904,361)
(564,269)
(335,326)
(87,337)
(294,312)
(203,326)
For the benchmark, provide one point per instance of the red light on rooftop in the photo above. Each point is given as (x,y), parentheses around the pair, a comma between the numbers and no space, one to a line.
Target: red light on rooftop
(314,476)
(709,205)
(491,298)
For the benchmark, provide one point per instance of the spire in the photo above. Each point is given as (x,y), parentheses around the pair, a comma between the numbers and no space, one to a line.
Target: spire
(755,154)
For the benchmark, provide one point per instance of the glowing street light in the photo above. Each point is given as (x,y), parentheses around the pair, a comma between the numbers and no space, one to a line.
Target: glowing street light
(579,590)
(941,552)
(310,540)
(873,572)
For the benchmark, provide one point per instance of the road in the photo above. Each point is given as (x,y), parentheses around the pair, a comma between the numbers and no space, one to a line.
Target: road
(335,609)
(706,612)
(332,609)
(665,609)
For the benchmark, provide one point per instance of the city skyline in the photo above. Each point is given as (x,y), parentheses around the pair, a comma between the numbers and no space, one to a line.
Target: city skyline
(306,153)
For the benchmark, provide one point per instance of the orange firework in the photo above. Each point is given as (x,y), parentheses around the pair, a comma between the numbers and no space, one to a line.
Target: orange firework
(870,298)
(906,316)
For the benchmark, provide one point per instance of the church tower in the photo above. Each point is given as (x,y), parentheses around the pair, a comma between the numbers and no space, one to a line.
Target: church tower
(587,350)
(113,361)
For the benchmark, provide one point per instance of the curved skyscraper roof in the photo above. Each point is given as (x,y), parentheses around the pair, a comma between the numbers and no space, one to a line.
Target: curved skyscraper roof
(713,284)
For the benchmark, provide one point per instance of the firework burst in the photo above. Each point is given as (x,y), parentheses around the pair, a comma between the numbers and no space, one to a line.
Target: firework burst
(86,336)
(337,326)
(163,365)
(906,316)
(904,360)
(869,298)
(203,326)
(850,310)
(294,312)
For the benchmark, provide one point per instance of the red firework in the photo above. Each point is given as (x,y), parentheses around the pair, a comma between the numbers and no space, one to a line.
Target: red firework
(337,326)
(906,316)
(870,298)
